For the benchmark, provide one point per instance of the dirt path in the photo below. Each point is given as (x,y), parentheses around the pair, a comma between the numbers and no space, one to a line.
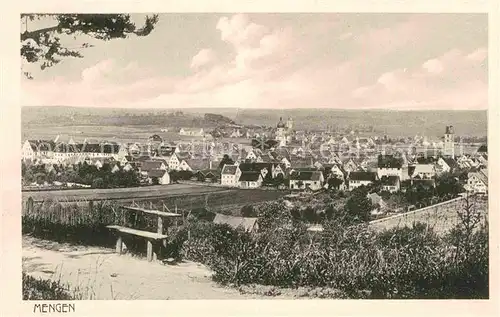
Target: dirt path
(99,273)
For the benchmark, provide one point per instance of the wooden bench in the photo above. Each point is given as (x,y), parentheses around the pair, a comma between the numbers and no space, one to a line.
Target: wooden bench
(151,237)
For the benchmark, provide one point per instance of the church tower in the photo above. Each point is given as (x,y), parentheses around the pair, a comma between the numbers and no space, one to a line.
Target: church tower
(289,124)
(280,133)
(449,142)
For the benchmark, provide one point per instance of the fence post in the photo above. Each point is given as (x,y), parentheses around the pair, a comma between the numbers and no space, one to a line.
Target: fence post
(29,205)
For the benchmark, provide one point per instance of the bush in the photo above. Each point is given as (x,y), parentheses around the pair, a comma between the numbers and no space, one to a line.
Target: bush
(40,289)
(401,263)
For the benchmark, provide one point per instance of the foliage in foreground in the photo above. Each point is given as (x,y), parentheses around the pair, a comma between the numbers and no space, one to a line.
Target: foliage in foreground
(398,263)
(41,289)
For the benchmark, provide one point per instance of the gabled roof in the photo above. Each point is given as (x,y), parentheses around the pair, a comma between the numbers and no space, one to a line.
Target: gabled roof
(424,168)
(249,177)
(389,161)
(481,175)
(197,164)
(390,180)
(306,175)
(450,162)
(483,149)
(229,169)
(156,173)
(151,165)
(363,176)
(375,199)
(248,224)
(42,145)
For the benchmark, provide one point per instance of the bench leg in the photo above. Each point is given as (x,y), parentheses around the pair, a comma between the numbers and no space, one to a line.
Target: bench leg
(149,250)
(119,245)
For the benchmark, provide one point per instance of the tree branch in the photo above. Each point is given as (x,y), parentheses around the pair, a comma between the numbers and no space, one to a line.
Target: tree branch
(29,35)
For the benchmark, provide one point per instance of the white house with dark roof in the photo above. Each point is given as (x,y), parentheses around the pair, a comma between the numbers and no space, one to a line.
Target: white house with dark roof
(357,179)
(230,175)
(391,183)
(477,182)
(250,180)
(161,175)
(313,180)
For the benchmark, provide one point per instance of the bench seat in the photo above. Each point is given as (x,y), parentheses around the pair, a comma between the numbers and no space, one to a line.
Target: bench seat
(140,233)
(149,236)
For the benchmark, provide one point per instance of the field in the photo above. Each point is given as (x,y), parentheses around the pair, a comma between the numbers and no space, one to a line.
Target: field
(138,124)
(122,193)
(229,201)
(184,196)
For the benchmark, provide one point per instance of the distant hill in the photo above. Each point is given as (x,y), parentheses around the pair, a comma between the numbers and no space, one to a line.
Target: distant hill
(401,123)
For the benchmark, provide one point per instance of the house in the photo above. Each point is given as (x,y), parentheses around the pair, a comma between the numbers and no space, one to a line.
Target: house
(389,165)
(250,180)
(307,180)
(379,204)
(423,171)
(446,165)
(350,166)
(391,183)
(149,165)
(158,174)
(245,223)
(191,132)
(357,179)
(230,175)
(477,182)
(173,162)
(37,149)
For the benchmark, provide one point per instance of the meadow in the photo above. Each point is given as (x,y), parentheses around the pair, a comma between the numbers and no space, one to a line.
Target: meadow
(139,193)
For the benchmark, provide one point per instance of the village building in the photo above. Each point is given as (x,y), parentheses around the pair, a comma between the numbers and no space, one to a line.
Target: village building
(161,175)
(312,180)
(380,206)
(423,171)
(246,223)
(445,165)
(477,182)
(449,142)
(150,165)
(357,179)
(191,132)
(389,165)
(230,175)
(391,183)
(250,180)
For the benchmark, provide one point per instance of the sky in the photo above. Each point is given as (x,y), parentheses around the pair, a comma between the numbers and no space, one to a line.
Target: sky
(287,60)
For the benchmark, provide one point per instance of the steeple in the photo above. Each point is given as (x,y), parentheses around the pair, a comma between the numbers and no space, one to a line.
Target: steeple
(281,124)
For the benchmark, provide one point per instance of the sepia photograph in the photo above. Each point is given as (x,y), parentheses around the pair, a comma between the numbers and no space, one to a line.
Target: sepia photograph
(240,156)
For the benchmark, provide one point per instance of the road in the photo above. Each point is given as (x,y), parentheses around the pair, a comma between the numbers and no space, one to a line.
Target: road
(98,273)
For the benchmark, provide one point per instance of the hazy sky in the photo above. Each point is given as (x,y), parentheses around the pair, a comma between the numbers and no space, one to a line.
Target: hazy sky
(396,61)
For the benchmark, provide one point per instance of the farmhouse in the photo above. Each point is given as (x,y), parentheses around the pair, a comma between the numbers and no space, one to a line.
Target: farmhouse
(306,180)
(477,182)
(446,165)
(423,171)
(388,165)
(150,165)
(390,183)
(161,176)
(357,179)
(230,175)
(250,180)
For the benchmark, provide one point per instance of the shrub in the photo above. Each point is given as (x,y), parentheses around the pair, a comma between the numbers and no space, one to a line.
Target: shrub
(41,289)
